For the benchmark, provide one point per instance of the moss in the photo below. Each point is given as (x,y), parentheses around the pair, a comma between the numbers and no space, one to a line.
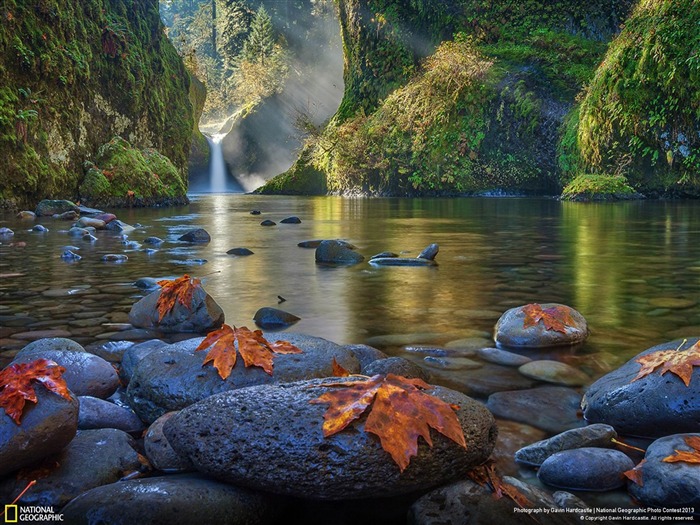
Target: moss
(641,112)
(301,179)
(598,187)
(95,185)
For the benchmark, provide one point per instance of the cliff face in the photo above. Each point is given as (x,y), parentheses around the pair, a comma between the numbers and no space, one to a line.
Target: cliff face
(487,85)
(75,74)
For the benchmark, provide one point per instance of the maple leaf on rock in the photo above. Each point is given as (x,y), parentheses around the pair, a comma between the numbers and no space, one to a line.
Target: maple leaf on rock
(678,362)
(686,456)
(401,412)
(16,384)
(486,476)
(635,474)
(555,318)
(180,290)
(252,346)
(338,370)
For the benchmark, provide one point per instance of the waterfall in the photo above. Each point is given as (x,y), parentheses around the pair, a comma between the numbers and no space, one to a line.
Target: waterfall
(217,168)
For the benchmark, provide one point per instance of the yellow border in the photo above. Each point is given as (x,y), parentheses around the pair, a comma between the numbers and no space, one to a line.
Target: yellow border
(8,508)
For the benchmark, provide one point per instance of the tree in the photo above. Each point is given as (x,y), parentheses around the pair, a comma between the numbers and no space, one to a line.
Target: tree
(260,44)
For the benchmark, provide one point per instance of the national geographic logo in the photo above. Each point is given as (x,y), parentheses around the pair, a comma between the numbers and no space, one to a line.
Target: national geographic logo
(28,514)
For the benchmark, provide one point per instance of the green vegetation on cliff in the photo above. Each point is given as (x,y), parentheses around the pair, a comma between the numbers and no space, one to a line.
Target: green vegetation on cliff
(75,74)
(641,112)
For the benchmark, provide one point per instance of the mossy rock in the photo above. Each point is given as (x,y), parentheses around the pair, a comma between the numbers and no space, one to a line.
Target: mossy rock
(301,179)
(599,188)
(125,176)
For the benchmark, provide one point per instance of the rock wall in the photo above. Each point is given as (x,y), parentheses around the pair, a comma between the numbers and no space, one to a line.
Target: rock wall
(73,75)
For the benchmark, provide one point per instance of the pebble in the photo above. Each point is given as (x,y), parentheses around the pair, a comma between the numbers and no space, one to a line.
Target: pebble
(268,222)
(89,237)
(153,240)
(239,251)
(673,303)
(554,372)
(115,258)
(40,229)
(6,232)
(291,220)
(502,357)
(452,363)
(68,255)
(596,435)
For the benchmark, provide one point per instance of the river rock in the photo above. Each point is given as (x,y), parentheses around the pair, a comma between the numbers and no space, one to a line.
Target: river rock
(587,468)
(291,220)
(198,235)
(596,435)
(6,232)
(85,375)
(653,406)
(314,243)
(173,378)
(98,413)
(383,254)
(134,354)
(429,252)
(269,318)
(26,215)
(46,427)
(158,449)
(255,212)
(93,458)
(398,366)
(39,228)
(91,222)
(401,261)
(268,222)
(114,257)
(668,484)
(551,408)
(119,226)
(68,255)
(66,215)
(181,499)
(337,252)
(510,331)
(203,315)
(104,217)
(153,241)
(365,354)
(554,372)
(299,461)
(78,232)
(451,363)
(48,208)
(89,238)
(484,381)
(240,251)
(112,351)
(502,357)
(53,343)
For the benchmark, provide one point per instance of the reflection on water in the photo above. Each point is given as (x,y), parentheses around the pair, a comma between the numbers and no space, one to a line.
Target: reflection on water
(632,269)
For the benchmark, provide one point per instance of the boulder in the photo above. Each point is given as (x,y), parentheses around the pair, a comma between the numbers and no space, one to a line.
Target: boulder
(93,458)
(198,235)
(174,378)
(98,413)
(134,354)
(668,484)
(269,318)
(365,354)
(299,461)
(398,366)
(53,343)
(49,208)
(203,315)
(337,252)
(112,351)
(46,427)
(653,406)
(596,435)
(587,468)
(181,499)
(510,329)
(158,449)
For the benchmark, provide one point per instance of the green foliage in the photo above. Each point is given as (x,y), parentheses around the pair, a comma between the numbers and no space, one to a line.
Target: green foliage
(260,44)
(598,187)
(301,179)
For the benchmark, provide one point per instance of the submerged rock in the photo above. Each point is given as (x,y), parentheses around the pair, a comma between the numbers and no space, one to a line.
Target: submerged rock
(554,372)
(240,251)
(401,261)
(291,220)
(337,252)
(48,207)
(269,318)
(198,235)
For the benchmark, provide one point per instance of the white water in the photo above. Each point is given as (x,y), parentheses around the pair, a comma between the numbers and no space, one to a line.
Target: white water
(217,168)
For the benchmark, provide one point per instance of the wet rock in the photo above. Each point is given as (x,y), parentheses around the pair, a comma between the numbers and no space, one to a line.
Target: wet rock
(336,252)
(93,458)
(91,222)
(255,212)
(653,406)
(115,258)
(365,354)
(39,228)
(512,436)
(146,283)
(482,382)
(198,235)
(48,207)
(78,232)
(154,241)
(502,357)
(554,372)
(240,251)
(429,252)
(98,413)
(6,232)
(268,222)
(551,408)
(203,315)
(112,351)
(566,500)
(85,375)
(597,435)
(398,366)
(158,449)
(451,363)
(89,238)
(291,220)
(434,351)
(46,427)
(181,499)
(68,255)
(40,334)
(173,378)
(53,343)
(66,216)
(587,468)
(131,245)
(26,215)
(401,261)
(290,443)
(511,332)
(134,354)
(116,225)
(384,255)
(310,244)
(104,217)
(668,484)
(269,318)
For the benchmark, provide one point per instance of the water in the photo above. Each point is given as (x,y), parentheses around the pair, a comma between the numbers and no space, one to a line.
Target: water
(632,269)
(218,180)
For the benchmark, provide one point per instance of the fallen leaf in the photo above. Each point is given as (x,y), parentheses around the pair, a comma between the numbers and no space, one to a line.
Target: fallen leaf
(686,456)
(635,474)
(16,384)
(180,290)
(339,371)
(252,346)
(555,318)
(678,362)
(486,476)
(401,412)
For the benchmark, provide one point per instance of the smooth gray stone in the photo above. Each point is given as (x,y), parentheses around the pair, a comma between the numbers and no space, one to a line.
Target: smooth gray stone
(588,468)
(510,330)
(365,354)
(289,442)
(429,252)
(198,235)
(555,372)
(337,252)
(401,261)
(240,251)
(397,366)
(153,241)
(291,220)
(502,357)
(134,354)
(98,413)
(268,222)
(596,435)
(269,318)
(115,258)
(50,207)
(158,449)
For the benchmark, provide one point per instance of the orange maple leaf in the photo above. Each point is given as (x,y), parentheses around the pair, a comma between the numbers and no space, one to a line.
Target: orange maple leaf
(555,318)
(486,476)
(400,414)
(692,456)
(16,384)
(253,347)
(635,474)
(338,370)
(679,362)
(180,290)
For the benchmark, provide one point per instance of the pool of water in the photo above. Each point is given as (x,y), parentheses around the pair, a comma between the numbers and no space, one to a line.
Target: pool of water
(632,269)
